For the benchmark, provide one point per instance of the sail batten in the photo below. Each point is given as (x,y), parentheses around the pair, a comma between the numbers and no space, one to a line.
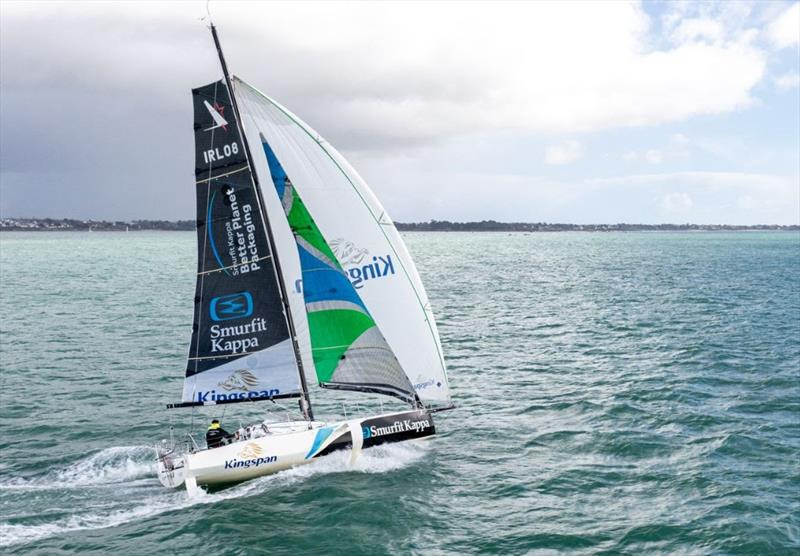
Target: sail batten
(207,179)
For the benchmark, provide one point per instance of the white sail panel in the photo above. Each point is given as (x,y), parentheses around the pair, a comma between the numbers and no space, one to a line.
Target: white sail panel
(284,244)
(256,375)
(359,232)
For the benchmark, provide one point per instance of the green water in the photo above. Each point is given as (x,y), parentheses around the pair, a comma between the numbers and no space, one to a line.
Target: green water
(617,393)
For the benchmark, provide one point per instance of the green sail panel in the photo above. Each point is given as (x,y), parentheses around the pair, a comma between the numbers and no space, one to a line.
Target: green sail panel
(348,349)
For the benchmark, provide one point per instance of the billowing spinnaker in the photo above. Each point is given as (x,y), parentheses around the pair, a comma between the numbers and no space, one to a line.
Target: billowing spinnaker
(348,349)
(240,345)
(359,233)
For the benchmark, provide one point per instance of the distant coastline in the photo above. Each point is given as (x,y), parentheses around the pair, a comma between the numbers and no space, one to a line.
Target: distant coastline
(72,225)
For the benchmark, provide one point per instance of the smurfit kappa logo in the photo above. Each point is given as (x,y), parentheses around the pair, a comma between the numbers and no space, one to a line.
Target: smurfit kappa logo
(397,427)
(233,306)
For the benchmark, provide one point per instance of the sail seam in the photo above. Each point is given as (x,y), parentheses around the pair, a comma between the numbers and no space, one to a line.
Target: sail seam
(353,348)
(226,174)
(223,356)
(264,258)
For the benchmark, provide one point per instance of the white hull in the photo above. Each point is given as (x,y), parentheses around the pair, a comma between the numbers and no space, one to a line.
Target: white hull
(287,445)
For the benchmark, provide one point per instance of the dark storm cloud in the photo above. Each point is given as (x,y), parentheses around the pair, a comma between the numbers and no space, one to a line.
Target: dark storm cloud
(96,110)
(96,114)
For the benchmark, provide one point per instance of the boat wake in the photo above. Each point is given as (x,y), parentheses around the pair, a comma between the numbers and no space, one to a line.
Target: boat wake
(109,466)
(120,482)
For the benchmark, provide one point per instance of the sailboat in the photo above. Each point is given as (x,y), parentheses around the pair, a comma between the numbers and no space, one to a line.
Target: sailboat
(302,277)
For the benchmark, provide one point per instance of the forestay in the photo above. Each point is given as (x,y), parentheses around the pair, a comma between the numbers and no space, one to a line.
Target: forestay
(362,242)
(240,347)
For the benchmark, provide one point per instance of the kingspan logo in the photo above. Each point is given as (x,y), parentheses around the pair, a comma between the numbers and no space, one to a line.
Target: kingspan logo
(242,380)
(251,450)
(377,268)
(422,383)
(396,427)
(358,264)
(252,455)
(209,396)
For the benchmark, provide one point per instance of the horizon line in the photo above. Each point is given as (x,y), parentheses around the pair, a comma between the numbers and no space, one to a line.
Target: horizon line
(6,220)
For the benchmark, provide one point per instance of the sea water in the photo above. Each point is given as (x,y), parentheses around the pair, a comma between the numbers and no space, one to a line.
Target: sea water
(617,393)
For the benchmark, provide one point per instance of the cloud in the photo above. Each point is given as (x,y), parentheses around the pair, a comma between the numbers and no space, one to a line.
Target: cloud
(678,147)
(450,190)
(654,156)
(677,202)
(568,152)
(709,179)
(698,30)
(723,197)
(398,74)
(96,113)
(784,31)
(708,197)
(787,81)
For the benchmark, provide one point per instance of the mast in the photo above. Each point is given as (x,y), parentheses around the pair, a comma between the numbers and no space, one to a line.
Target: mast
(305,401)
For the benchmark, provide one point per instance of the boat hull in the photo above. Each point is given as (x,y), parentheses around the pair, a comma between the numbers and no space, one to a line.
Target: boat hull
(279,450)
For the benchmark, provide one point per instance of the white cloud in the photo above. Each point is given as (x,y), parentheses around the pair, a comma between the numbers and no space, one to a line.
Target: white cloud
(709,179)
(377,74)
(698,29)
(654,156)
(679,141)
(700,197)
(785,29)
(677,202)
(747,202)
(676,148)
(570,151)
(787,81)
(709,197)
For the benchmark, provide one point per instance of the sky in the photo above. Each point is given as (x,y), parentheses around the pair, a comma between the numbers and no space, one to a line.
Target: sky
(651,112)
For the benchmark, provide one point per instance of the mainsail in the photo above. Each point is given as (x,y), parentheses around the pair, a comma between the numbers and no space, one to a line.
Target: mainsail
(369,320)
(241,347)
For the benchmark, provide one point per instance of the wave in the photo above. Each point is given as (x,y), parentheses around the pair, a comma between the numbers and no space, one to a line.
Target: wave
(11,534)
(127,463)
(113,465)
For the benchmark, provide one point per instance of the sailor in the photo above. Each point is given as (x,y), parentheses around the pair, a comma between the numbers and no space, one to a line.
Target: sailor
(216,436)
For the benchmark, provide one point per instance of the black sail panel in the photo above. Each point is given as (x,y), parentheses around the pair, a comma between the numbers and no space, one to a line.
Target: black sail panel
(240,346)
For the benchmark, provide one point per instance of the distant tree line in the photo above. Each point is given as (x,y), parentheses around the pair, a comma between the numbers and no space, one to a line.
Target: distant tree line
(67,224)
(494,226)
